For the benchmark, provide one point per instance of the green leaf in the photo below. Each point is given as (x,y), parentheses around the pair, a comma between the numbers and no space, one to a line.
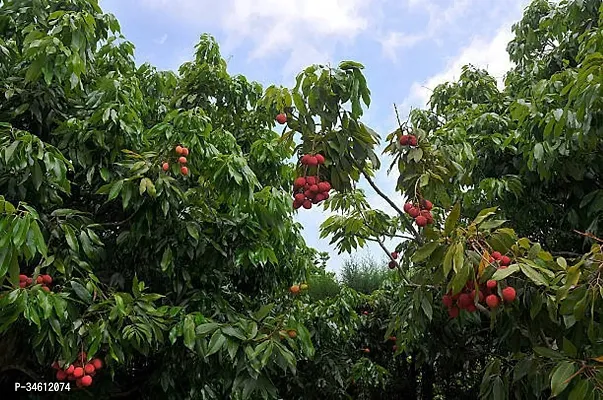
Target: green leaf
(534,275)
(447,264)
(579,391)
(561,377)
(192,230)
(452,219)
(505,272)
(188,332)
(215,343)
(424,252)
(483,214)
(81,291)
(233,332)
(263,312)
(166,260)
(459,257)
(115,190)
(205,329)
(70,237)
(548,353)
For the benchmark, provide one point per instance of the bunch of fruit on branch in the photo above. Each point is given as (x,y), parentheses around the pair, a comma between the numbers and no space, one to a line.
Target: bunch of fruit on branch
(309,189)
(408,140)
(80,371)
(44,280)
(393,264)
(296,289)
(182,153)
(420,211)
(489,293)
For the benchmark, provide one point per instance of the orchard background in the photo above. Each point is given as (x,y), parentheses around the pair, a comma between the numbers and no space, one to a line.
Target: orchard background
(148,247)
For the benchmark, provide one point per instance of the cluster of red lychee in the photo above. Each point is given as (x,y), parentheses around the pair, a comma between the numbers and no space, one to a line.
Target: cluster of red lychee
(487,293)
(281,118)
(44,280)
(502,261)
(308,190)
(420,212)
(182,153)
(408,140)
(80,371)
(393,264)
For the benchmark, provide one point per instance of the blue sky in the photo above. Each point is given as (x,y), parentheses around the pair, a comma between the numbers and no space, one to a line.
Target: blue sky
(407,47)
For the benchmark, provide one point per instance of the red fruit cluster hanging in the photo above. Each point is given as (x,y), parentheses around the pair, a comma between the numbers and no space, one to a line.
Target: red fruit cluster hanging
(408,140)
(501,261)
(309,189)
(182,153)
(80,371)
(486,294)
(44,280)
(421,212)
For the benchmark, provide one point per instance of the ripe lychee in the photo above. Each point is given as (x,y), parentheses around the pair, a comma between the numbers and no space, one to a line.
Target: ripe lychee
(69,370)
(407,207)
(319,197)
(404,140)
(179,149)
(281,118)
(165,166)
(29,281)
(392,264)
(421,221)
(480,295)
(297,204)
(304,159)
(39,280)
(86,380)
(414,212)
(22,278)
(492,301)
(496,255)
(300,197)
(395,255)
(509,294)
(427,205)
(292,334)
(314,188)
(185,152)
(311,180)
(184,170)
(294,289)
(98,364)
(47,279)
(505,260)
(447,300)
(412,140)
(471,308)
(78,372)
(182,160)
(453,312)
(465,300)
(61,375)
(320,158)
(323,187)
(46,288)
(299,182)
(312,161)
(491,284)
(89,368)
(22,285)
(307,204)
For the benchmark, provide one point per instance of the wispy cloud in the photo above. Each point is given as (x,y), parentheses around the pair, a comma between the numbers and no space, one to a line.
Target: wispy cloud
(161,40)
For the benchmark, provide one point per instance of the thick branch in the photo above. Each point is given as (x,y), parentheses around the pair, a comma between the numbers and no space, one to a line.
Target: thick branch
(410,227)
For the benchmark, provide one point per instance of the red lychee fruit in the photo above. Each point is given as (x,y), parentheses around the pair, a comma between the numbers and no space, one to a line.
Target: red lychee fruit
(165,166)
(78,372)
(319,197)
(427,205)
(39,280)
(314,189)
(300,197)
(22,278)
(427,216)
(61,375)
(320,158)
(184,171)
(492,301)
(182,160)
(404,140)
(98,364)
(311,180)
(185,152)
(395,255)
(464,300)
(299,182)
(323,187)
(304,159)
(307,204)
(447,300)
(309,194)
(29,281)
(407,207)
(392,264)
(179,149)
(414,212)
(47,279)
(505,260)
(22,285)
(86,380)
(412,140)
(69,370)
(509,294)
(471,308)
(312,161)
(421,221)
(480,295)
(491,284)
(281,118)
(89,368)
(46,288)
(453,312)
(297,204)
(496,255)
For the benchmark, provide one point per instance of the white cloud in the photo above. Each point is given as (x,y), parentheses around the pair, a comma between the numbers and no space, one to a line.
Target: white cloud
(487,54)
(161,40)
(301,29)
